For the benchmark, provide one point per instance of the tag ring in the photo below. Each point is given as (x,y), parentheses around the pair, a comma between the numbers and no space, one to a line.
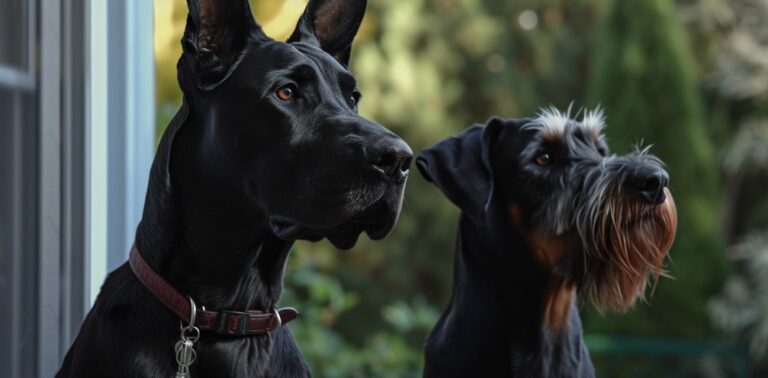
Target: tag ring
(277,316)
(190,331)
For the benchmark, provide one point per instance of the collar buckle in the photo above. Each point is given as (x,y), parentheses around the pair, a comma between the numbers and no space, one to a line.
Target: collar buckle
(232,323)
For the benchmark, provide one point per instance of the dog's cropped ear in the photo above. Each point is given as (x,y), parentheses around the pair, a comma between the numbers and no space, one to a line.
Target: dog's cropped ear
(461,168)
(331,25)
(215,36)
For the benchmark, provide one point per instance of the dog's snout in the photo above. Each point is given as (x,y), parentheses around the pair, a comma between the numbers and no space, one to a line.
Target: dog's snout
(649,183)
(392,159)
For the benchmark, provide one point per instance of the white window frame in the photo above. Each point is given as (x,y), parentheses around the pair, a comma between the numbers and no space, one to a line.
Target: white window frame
(122,129)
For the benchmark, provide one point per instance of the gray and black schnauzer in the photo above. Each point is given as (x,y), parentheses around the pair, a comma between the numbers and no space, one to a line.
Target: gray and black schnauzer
(547,213)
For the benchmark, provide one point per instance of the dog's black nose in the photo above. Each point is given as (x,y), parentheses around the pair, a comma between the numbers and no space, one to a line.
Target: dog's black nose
(649,183)
(393,159)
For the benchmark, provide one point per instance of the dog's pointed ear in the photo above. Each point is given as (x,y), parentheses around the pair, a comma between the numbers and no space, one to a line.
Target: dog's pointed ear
(331,25)
(461,168)
(215,36)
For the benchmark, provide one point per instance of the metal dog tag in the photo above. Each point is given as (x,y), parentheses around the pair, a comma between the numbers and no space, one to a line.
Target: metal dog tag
(185,347)
(185,356)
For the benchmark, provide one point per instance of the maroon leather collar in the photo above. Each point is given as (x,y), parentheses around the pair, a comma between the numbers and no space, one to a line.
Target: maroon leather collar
(223,322)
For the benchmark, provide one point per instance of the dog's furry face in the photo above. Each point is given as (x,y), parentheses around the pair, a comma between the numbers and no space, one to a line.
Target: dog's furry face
(604,222)
(278,122)
(600,223)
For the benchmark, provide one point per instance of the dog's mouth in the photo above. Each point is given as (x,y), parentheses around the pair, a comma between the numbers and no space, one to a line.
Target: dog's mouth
(377,221)
(642,215)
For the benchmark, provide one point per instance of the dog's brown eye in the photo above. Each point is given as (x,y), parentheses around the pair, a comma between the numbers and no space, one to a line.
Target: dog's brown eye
(286,92)
(543,159)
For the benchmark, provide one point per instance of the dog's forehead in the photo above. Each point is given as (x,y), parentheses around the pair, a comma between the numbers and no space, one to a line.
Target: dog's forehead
(283,55)
(322,60)
(554,125)
(265,63)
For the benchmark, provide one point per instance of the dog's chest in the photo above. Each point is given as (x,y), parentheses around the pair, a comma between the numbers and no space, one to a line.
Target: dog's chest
(233,357)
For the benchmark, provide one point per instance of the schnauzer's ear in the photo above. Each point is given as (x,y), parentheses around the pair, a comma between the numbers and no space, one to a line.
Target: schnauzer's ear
(331,25)
(216,34)
(461,168)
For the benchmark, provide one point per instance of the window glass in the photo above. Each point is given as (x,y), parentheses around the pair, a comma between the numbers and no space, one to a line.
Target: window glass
(14,33)
(18,139)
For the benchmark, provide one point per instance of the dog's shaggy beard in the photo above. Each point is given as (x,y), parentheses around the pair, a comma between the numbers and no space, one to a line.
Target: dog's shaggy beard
(624,244)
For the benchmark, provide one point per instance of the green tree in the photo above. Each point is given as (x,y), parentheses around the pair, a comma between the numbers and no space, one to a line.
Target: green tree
(643,75)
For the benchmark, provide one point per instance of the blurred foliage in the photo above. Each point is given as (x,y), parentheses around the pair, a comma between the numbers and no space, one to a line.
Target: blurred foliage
(686,76)
(742,308)
(739,79)
(748,152)
(391,350)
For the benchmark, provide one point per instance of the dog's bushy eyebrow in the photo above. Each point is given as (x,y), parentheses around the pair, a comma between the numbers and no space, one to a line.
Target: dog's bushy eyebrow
(554,124)
(580,142)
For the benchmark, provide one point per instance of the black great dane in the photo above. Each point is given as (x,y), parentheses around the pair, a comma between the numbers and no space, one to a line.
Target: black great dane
(267,148)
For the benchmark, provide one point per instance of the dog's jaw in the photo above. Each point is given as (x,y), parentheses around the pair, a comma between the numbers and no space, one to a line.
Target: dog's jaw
(376,220)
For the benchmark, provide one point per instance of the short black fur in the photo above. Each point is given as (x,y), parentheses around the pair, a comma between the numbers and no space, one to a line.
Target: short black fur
(267,148)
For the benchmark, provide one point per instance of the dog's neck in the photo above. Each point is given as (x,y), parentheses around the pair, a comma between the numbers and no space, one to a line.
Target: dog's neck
(505,298)
(248,276)
(206,244)
(512,282)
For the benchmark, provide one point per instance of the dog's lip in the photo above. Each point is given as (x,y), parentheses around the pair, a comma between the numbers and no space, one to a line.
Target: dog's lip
(290,229)
(333,188)
(343,239)
(287,228)
(379,231)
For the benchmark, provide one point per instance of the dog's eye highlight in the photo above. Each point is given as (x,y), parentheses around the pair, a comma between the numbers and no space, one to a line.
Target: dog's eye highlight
(354,99)
(543,159)
(286,92)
